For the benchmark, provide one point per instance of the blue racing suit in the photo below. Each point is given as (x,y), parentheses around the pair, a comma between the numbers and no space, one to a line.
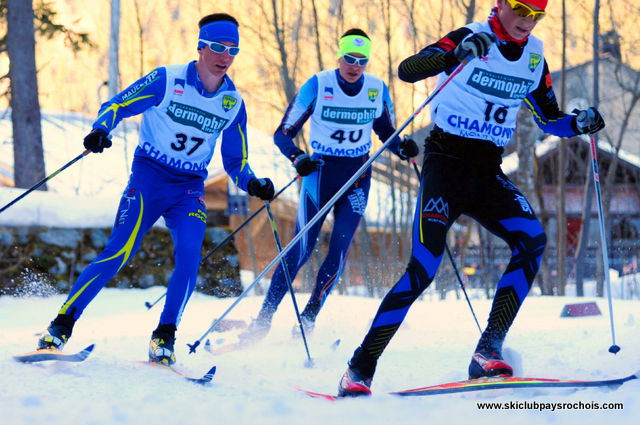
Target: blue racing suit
(342,117)
(180,125)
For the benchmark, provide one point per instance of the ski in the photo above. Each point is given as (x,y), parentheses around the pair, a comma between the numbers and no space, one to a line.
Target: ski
(227,325)
(500,382)
(335,344)
(492,383)
(204,380)
(53,354)
(235,346)
(227,348)
(318,395)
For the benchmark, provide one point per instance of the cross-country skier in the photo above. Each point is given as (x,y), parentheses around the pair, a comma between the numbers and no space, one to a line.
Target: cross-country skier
(185,108)
(343,105)
(474,117)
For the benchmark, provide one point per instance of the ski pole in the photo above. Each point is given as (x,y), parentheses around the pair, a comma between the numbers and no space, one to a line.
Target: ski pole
(46,179)
(329,204)
(285,268)
(603,239)
(229,237)
(150,305)
(453,264)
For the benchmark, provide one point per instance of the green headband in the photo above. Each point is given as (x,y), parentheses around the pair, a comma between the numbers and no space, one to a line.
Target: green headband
(354,44)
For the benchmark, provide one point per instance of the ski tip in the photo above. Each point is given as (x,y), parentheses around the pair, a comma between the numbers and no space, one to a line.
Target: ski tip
(82,355)
(335,344)
(317,395)
(23,358)
(208,377)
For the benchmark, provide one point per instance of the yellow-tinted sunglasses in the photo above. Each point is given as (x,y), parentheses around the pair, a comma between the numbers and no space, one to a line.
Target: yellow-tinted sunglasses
(525,11)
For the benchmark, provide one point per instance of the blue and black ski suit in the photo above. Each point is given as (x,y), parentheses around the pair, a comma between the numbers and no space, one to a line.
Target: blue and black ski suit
(474,117)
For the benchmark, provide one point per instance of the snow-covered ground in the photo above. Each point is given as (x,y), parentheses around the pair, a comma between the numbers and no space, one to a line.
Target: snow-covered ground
(255,386)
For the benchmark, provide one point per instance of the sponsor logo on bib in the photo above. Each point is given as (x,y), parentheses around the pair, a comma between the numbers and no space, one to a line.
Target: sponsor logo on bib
(499,85)
(196,118)
(348,115)
(178,86)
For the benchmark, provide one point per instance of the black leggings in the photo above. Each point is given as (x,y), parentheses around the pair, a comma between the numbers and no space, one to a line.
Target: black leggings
(451,186)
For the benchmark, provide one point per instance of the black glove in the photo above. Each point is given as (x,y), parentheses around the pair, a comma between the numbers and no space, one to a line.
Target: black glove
(97,141)
(261,188)
(306,165)
(588,120)
(476,46)
(407,148)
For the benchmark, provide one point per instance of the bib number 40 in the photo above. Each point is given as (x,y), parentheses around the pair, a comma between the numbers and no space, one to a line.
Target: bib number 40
(354,136)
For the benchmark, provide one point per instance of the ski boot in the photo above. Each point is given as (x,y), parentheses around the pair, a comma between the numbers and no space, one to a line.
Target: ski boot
(161,345)
(354,384)
(488,361)
(307,324)
(257,329)
(57,334)
(356,381)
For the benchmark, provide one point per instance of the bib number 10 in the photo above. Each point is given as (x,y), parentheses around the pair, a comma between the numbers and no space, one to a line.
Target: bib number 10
(499,114)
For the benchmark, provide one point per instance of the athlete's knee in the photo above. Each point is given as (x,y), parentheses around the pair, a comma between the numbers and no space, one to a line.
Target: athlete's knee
(418,273)
(542,240)
(412,283)
(532,243)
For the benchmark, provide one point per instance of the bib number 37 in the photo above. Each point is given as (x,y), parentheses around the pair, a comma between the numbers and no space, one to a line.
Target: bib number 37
(180,143)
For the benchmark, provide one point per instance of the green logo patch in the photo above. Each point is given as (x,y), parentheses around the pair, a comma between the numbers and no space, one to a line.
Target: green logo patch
(373,93)
(534,61)
(228,102)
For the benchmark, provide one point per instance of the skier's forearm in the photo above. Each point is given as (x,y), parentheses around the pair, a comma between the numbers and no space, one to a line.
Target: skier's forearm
(425,64)
(433,59)
(545,109)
